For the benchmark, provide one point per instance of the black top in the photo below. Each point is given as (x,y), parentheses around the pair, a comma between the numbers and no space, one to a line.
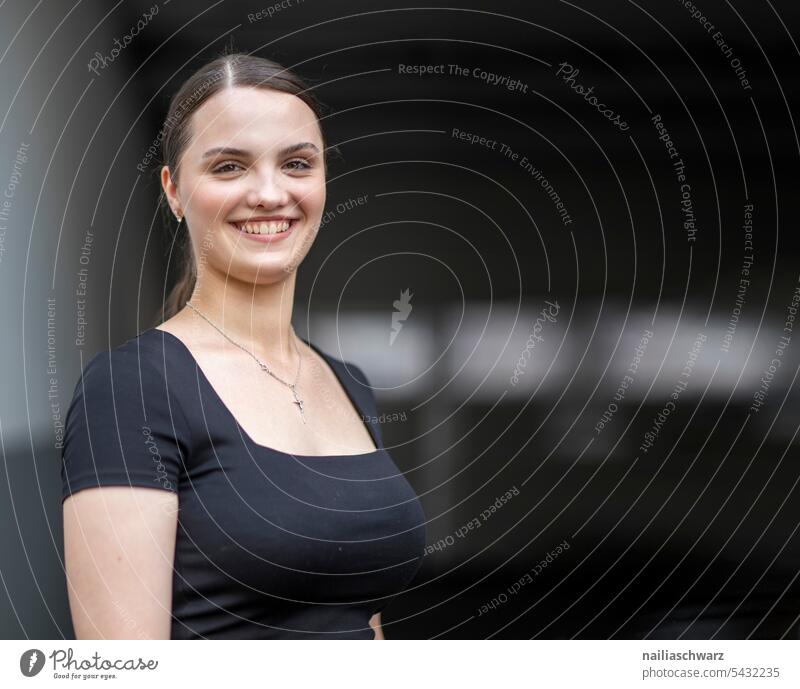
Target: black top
(269,545)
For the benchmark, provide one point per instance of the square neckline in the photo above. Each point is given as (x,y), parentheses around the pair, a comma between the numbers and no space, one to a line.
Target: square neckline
(354,403)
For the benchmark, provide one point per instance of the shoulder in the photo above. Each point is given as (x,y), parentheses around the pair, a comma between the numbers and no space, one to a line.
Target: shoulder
(353,379)
(125,425)
(124,377)
(132,363)
(356,383)
(346,370)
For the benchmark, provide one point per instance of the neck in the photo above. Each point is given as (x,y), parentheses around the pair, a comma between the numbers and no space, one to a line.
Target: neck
(258,317)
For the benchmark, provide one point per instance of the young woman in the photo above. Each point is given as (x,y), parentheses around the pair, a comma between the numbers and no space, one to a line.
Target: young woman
(220,477)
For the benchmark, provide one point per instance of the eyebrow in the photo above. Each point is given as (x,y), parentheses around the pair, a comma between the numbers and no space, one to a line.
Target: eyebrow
(241,152)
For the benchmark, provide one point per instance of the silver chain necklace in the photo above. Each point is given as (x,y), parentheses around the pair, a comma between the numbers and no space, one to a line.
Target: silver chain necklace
(263,366)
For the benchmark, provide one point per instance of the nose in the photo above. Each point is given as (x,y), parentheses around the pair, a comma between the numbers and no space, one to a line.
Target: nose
(269,191)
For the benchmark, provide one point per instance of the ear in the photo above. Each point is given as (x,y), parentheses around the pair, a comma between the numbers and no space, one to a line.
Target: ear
(171,191)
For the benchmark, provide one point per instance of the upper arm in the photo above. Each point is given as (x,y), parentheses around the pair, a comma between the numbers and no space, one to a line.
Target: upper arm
(124,443)
(119,545)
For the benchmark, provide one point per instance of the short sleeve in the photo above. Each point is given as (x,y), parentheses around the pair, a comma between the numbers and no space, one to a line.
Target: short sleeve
(364,389)
(124,426)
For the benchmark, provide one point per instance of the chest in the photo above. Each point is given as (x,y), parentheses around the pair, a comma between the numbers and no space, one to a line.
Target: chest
(319,530)
(268,411)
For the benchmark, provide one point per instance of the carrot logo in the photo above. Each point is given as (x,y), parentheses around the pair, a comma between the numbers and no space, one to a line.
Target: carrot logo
(402,310)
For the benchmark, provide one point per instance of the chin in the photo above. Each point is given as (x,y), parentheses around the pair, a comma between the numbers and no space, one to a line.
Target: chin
(262,272)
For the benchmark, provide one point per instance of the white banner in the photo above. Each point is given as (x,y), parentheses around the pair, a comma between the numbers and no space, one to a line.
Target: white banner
(352,664)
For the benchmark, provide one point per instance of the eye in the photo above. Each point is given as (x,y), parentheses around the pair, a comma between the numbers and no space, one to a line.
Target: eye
(222,168)
(303,164)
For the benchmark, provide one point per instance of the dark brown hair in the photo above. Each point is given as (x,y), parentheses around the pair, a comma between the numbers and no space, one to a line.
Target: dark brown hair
(226,71)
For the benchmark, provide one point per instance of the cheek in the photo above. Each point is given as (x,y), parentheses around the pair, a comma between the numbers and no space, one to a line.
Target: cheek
(214,201)
(313,196)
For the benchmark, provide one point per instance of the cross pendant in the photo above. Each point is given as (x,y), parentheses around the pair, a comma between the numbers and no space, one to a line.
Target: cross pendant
(299,404)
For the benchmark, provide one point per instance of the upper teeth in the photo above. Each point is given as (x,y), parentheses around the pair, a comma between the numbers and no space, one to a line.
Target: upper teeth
(265,227)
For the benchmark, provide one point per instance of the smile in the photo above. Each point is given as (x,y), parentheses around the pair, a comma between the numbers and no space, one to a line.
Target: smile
(264,226)
(269,231)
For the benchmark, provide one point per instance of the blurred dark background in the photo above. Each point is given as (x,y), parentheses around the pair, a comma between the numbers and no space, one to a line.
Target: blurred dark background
(696,537)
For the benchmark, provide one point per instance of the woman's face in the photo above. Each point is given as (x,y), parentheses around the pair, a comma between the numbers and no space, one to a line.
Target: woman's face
(254,163)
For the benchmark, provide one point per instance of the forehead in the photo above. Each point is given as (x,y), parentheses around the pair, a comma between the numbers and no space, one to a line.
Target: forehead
(253,118)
